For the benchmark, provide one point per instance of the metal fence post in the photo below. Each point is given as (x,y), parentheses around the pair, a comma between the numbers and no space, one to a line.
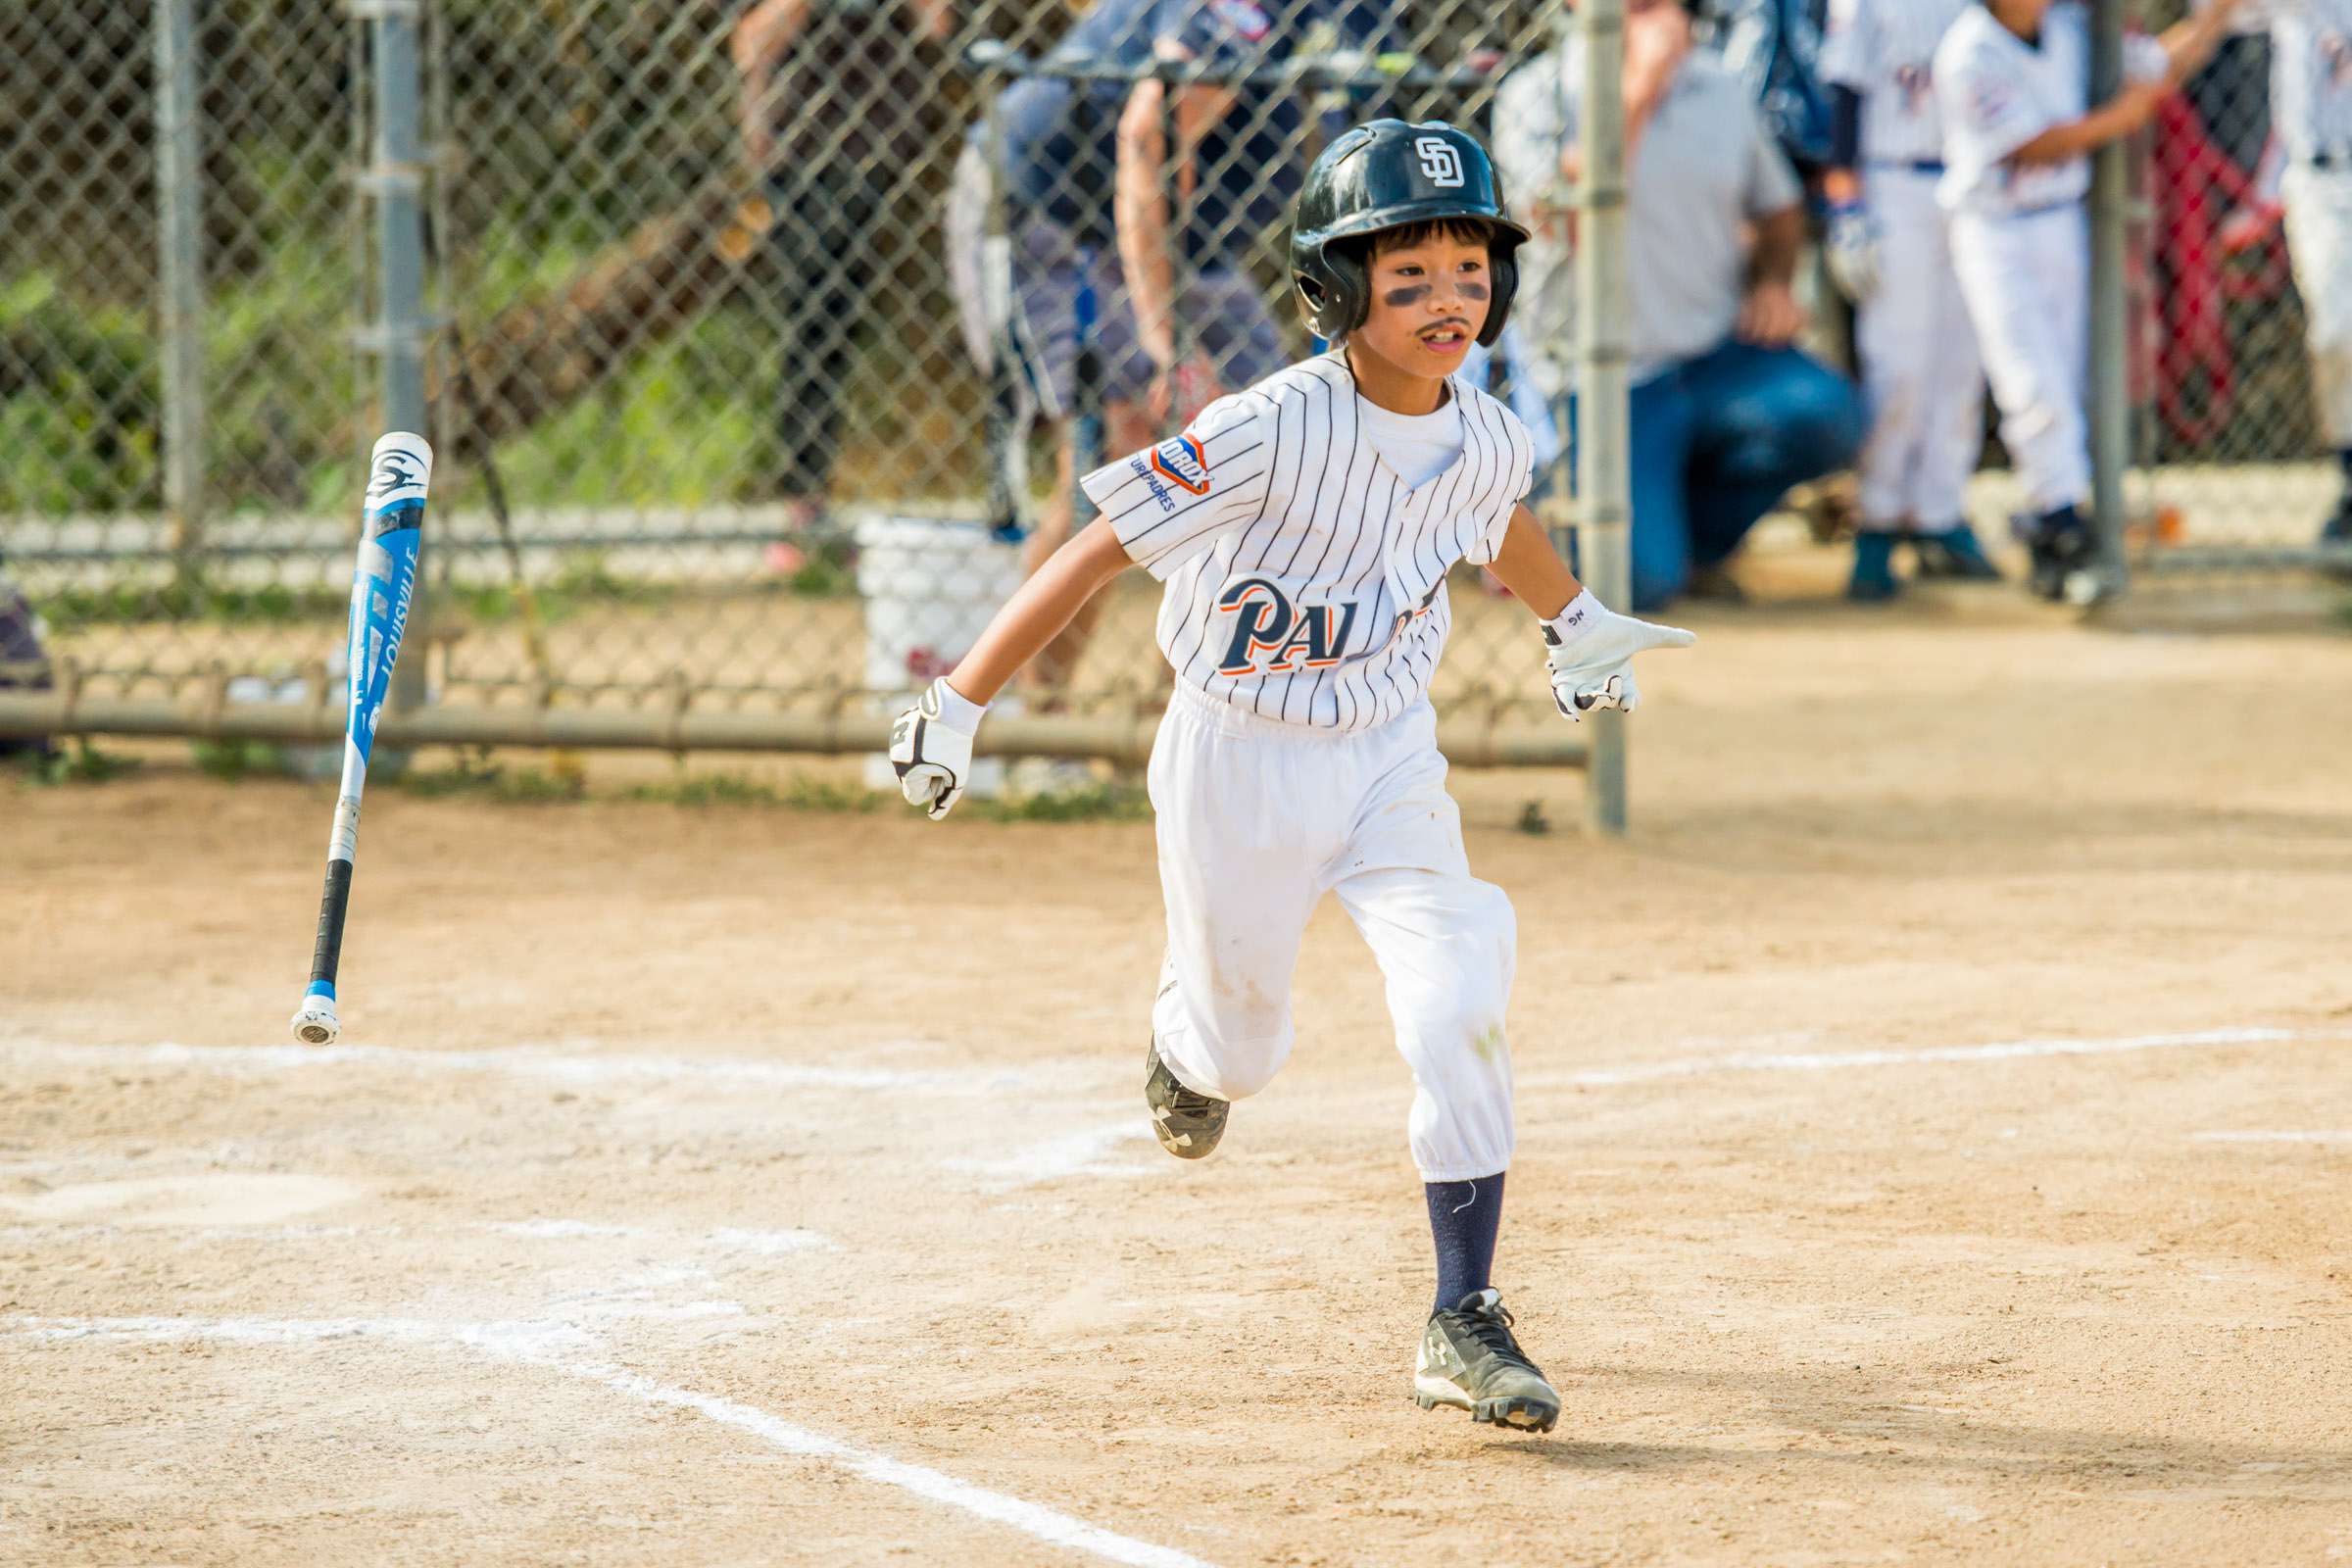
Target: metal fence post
(2110,313)
(395,179)
(1604,470)
(179,271)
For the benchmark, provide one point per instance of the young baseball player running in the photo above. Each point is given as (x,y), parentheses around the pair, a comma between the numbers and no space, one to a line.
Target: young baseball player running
(2012,86)
(1304,528)
(1888,252)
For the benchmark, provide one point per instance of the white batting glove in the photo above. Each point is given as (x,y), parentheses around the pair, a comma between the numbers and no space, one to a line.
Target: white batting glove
(1591,655)
(1851,247)
(931,748)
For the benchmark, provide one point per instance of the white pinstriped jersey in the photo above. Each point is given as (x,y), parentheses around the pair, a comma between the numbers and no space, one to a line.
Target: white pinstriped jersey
(1884,50)
(1306,581)
(1995,93)
(2311,74)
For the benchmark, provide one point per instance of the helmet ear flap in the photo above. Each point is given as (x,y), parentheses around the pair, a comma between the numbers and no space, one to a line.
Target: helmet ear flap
(1331,285)
(1503,275)
(1351,292)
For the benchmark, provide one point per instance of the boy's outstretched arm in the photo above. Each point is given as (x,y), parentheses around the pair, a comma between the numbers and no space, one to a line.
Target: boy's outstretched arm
(1590,648)
(931,744)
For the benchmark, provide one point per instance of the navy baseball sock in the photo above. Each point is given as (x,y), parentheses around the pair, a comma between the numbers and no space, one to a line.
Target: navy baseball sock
(2061,519)
(2343,461)
(1463,1218)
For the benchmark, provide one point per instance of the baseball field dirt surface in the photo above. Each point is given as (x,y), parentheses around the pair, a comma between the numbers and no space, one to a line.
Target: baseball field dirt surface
(1934,1140)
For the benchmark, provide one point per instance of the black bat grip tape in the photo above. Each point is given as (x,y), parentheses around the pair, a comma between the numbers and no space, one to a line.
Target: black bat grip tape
(337,899)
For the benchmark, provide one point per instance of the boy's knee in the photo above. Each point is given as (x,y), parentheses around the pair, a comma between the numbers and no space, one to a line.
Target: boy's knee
(1467,1011)
(1821,418)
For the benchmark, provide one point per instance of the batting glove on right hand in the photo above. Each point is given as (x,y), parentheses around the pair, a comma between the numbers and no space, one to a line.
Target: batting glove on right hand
(931,748)
(1591,655)
(1852,250)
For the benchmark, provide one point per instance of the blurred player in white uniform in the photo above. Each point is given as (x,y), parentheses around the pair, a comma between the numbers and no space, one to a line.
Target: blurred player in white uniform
(2311,116)
(1305,528)
(2012,82)
(1889,251)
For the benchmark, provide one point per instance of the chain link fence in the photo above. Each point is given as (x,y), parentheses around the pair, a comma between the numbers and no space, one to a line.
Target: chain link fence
(716,423)
(2238,413)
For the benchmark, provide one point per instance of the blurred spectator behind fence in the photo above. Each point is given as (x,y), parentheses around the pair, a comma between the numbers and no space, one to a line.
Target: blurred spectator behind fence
(1727,414)
(2013,92)
(1889,249)
(836,104)
(1179,319)
(2311,116)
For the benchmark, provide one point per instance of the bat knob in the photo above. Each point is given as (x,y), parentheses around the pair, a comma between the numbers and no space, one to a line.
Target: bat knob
(316,1024)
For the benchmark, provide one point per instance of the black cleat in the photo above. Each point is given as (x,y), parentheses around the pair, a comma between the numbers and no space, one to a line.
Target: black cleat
(1953,555)
(1188,1124)
(2066,557)
(1469,1360)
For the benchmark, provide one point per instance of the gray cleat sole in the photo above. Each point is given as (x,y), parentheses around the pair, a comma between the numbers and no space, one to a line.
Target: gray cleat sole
(1198,1136)
(1519,1412)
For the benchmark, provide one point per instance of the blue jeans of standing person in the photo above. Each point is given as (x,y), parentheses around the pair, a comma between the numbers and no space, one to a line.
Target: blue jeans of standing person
(1717,441)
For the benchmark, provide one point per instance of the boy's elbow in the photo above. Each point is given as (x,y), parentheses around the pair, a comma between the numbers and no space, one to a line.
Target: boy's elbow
(1095,554)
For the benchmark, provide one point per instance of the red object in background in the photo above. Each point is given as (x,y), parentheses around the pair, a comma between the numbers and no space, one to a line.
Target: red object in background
(2209,220)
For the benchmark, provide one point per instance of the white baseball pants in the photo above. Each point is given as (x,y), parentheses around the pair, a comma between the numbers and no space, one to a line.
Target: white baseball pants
(2318,242)
(2026,281)
(1920,369)
(1258,820)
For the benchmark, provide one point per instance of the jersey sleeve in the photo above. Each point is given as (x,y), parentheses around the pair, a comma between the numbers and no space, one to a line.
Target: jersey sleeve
(1171,503)
(1988,115)
(1849,46)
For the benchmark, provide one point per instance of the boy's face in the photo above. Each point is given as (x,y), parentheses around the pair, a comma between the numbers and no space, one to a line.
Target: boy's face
(1429,300)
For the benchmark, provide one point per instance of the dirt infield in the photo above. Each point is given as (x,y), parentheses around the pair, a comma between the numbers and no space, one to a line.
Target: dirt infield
(1935,1130)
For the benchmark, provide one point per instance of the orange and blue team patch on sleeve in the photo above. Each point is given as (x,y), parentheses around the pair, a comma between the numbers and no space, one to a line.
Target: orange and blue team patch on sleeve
(1184,461)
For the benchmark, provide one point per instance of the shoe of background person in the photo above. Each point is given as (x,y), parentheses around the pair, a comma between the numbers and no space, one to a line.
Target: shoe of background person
(1873,581)
(1469,1360)
(2066,556)
(1714,583)
(1188,1125)
(1953,556)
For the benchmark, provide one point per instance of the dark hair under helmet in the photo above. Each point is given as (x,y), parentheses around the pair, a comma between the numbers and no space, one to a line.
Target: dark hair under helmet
(1389,174)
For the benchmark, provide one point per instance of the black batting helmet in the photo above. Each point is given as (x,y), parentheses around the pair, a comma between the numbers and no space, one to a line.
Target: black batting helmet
(1389,174)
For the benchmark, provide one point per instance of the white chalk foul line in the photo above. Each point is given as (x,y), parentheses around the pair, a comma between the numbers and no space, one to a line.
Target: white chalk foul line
(1088,1151)
(1045,1524)
(1839,1060)
(555,1345)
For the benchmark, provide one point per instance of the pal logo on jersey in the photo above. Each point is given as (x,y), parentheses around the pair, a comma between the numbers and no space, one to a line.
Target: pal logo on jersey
(1268,621)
